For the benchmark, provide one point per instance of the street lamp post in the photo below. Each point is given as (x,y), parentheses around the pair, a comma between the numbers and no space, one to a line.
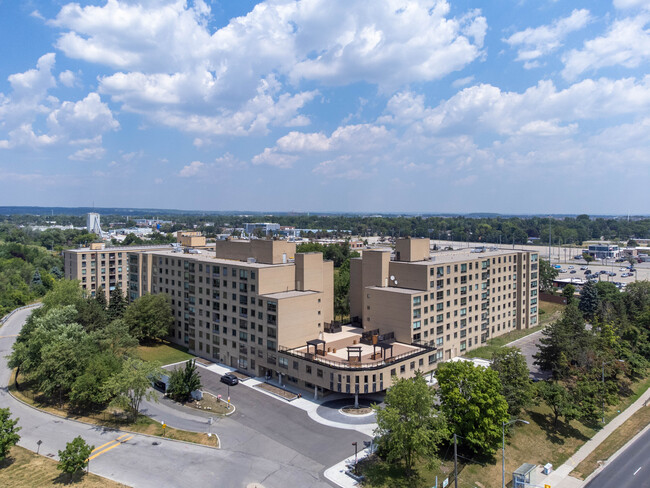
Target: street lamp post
(503,448)
(603,370)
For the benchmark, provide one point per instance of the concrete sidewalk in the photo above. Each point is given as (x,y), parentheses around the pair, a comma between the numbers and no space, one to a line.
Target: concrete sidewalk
(560,478)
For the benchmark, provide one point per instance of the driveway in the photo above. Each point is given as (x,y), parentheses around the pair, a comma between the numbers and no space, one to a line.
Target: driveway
(528,346)
(248,456)
(266,426)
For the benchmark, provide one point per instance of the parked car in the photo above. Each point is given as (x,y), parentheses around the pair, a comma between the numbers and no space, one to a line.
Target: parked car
(571,267)
(573,271)
(229,379)
(583,267)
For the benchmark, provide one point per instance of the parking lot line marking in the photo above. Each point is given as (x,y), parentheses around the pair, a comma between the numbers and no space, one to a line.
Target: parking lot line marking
(8,336)
(637,471)
(117,443)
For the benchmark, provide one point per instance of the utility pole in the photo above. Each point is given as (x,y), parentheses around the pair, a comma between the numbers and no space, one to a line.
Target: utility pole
(455,462)
(549,239)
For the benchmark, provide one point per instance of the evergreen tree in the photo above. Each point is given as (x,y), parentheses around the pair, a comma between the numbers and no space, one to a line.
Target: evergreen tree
(563,342)
(56,272)
(117,304)
(589,301)
(36,279)
(182,382)
(569,293)
(100,296)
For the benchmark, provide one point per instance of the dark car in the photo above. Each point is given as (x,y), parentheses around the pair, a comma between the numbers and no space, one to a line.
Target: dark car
(229,379)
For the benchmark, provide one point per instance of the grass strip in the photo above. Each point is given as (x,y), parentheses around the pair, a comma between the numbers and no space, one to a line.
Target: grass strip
(113,419)
(617,439)
(25,469)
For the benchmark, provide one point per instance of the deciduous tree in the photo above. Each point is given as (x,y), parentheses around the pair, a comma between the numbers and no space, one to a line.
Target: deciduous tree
(472,402)
(133,383)
(8,432)
(517,388)
(149,317)
(183,381)
(74,458)
(557,398)
(408,425)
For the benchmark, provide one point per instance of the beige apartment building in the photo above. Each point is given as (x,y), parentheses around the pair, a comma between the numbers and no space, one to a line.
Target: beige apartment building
(98,266)
(260,307)
(451,300)
(235,304)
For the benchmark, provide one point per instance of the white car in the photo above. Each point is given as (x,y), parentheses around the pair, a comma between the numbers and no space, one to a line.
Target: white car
(622,269)
(570,267)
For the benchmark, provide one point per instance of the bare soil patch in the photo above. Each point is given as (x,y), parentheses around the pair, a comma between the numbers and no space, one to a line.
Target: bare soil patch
(288,395)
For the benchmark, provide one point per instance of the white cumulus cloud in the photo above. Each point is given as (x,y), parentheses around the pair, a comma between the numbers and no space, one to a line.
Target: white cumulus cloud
(533,43)
(627,43)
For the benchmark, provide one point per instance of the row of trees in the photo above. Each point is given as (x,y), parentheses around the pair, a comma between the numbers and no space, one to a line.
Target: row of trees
(479,228)
(81,350)
(600,344)
(472,402)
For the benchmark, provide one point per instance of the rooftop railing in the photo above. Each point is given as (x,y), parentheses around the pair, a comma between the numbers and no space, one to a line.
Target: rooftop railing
(356,365)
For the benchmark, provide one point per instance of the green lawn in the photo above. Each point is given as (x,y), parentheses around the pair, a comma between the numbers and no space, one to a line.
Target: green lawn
(164,352)
(25,469)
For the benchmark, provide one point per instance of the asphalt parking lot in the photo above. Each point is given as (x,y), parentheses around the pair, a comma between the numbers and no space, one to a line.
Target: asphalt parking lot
(263,424)
(642,272)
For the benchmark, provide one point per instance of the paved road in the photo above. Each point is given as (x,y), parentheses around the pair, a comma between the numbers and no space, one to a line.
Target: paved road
(264,425)
(528,346)
(629,470)
(146,462)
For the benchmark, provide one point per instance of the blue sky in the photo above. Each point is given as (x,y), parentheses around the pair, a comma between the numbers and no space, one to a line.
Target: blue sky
(529,106)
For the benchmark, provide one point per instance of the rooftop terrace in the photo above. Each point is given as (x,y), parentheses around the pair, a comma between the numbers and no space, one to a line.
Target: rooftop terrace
(349,349)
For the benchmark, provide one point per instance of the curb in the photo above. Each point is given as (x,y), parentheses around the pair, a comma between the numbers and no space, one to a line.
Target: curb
(9,315)
(234,409)
(615,455)
(115,430)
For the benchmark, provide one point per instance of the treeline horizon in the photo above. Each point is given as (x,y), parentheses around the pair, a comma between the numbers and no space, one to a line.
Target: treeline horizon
(494,230)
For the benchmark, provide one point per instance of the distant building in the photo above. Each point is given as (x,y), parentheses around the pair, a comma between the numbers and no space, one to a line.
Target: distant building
(603,251)
(190,238)
(266,228)
(93,225)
